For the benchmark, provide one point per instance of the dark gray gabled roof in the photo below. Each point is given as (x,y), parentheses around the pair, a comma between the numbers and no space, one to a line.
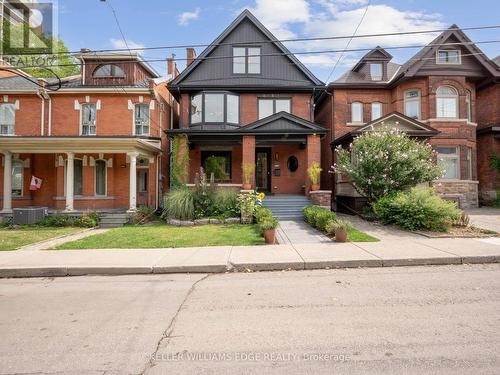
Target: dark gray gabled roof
(496,60)
(352,77)
(288,72)
(18,83)
(284,122)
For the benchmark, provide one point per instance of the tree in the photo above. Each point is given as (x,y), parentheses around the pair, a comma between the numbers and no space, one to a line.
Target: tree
(386,161)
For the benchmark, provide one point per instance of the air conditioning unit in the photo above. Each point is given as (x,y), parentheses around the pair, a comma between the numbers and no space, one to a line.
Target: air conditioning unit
(29,215)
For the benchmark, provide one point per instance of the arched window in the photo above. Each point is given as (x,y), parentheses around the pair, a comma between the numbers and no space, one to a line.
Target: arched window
(446,102)
(100,177)
(356,112)
(17,178)
(412,104)
(109,70)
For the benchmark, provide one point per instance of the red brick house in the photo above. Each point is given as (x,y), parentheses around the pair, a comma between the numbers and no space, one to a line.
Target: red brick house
(247,100)
(96,143)
(433,95)
(488,137)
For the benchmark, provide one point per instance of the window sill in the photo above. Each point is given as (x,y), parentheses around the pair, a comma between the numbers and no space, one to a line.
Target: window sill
(355,123)
(85,198)
(444,180)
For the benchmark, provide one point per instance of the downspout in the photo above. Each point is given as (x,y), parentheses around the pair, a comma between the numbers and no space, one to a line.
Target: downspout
(158,171)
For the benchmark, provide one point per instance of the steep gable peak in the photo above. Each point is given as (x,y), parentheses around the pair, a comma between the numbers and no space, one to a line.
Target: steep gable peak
(378,54)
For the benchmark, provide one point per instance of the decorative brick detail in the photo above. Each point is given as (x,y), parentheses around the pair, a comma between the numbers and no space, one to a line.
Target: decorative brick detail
(463,191)
(321,197)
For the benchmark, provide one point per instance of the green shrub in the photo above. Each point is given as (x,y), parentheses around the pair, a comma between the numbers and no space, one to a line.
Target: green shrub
(203,196)
(143,215)
(87,220)
(262,213)
(340,225)
(417,209)
(318,217)
(267,223)
(56,221)
(179,204)
(330,227)
(226,203)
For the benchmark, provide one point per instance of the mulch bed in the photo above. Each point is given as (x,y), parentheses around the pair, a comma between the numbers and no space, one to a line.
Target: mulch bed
(459,232)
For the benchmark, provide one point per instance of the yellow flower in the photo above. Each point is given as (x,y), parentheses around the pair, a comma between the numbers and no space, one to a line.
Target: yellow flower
(262,196)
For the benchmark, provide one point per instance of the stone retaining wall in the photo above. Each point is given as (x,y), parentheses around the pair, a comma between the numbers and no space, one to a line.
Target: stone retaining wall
(321,197)
(465,192)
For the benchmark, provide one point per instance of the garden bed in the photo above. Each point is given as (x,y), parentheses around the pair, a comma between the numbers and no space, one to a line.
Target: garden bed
(459,232)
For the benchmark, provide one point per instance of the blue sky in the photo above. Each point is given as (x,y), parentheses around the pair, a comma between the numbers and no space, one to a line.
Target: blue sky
(90,24)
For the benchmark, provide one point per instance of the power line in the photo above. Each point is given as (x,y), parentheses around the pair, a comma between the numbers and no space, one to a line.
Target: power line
(276,40)
(350,40)
(290,53)
(14,70)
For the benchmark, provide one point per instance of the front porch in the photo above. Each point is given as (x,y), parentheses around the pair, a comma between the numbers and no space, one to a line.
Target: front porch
(280,148)
(79,174)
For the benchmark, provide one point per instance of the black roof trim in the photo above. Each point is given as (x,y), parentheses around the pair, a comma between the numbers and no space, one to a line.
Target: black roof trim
(310,127)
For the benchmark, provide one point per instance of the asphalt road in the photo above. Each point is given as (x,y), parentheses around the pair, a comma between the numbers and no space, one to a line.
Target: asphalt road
(415,320)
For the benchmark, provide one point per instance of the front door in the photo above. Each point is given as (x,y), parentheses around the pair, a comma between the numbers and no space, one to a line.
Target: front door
(142,187)
(263,169)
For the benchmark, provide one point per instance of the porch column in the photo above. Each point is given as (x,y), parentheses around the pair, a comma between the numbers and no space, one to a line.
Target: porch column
(133,181)
(248,150)
(313,154)
(70,181)
(7,183)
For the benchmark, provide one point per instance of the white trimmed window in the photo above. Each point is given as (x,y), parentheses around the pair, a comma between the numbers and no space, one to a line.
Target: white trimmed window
(446,102)
(356,112)
(412,104)
(448,159)
(268,107)
(376,71)
(141,114)
(468,105)
(88,119)
(100,177)
(7,119)
(17,178)
(451,56)
(376,110)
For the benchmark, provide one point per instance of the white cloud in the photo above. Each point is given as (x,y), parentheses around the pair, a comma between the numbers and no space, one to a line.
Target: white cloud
(120,44)
(185,18)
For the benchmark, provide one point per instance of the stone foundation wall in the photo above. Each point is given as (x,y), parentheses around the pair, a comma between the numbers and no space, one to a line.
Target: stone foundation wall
(321,197)
(465,192)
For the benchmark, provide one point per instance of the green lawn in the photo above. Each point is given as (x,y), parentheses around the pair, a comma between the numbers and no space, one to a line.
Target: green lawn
(355,235)
(161,235)
(11,239)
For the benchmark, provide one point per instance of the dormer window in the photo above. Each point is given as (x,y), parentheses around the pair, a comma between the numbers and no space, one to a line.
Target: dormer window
(376,71)
(246,60)
(451,56)
(109,70)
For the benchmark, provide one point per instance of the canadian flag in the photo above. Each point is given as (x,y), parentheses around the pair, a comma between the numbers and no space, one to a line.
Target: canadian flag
(36,183)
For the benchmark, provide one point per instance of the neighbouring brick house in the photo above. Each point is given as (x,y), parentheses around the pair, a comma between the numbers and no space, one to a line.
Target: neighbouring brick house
(97,143)
(433,96)
(247,100)
(488,137)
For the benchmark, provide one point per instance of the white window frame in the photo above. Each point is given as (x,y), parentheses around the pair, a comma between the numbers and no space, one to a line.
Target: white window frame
(149,119)
(468,105)
(81,119)
(455,97)
(105,178)
(273,100)
(456,156)
(20,163)
(11,128)
(246,57)
(417,99)
(380,106)
(353,120)
(377,78)
(440,62)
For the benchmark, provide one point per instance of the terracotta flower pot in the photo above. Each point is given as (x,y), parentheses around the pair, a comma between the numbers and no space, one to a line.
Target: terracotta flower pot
(340,235)
(270,236)
(247,186)
(314,187)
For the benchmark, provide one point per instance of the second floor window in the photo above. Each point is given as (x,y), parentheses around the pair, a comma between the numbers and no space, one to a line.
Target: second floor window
(215,107)
(446,102)
(109,70)
(468,105)
(141,119)
(246,60)
(356,112)
(7,119)
(268,107)
(376,110)
(88,119)
(376,70)
(412,104)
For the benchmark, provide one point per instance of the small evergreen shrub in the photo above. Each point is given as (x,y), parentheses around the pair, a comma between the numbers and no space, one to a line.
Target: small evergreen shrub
(318,217)
(56,221)
(417,209)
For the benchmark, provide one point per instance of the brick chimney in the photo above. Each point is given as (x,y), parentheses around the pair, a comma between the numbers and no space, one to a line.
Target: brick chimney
(171,65)
(190,55)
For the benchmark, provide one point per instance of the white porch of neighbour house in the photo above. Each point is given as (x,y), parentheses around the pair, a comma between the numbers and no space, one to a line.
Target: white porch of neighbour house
(134,149)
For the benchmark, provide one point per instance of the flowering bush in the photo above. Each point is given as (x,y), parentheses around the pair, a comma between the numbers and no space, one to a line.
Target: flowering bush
(385,161)
(249,203)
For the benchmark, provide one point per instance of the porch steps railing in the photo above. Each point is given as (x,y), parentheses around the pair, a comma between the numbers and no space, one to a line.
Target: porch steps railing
(286,206)
(113,220)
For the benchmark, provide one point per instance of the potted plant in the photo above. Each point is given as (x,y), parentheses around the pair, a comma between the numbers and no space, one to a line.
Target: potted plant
(268,227)
(248,170)
(314,172)
(341,228)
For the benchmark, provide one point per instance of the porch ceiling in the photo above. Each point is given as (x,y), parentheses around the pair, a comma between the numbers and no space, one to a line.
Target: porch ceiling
(50,145)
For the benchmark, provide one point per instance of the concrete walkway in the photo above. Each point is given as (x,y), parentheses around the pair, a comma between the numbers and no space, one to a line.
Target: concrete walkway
(485,217)
(388,252)
(51,243)
(298,231)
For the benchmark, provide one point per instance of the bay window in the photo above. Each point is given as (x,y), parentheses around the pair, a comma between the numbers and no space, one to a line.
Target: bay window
(356,112)
(448,159)
(412,104)
(270,106)
(88,119)
(7,119)
(215,108)
(446,102)
(141,120)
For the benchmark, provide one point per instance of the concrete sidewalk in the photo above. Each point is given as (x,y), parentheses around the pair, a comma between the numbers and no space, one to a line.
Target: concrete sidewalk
(386,253)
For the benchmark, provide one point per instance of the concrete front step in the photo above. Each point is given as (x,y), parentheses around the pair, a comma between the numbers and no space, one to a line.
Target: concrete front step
(113,220)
